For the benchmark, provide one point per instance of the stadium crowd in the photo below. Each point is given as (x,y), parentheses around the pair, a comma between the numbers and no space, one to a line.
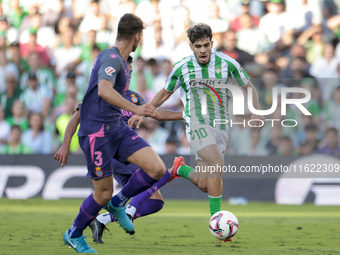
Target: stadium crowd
(47,50)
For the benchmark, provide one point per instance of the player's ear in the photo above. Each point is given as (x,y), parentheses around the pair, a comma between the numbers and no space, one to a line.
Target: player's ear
(191,46)
(212,43)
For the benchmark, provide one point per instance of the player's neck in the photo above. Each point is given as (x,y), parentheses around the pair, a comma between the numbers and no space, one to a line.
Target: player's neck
(124,47)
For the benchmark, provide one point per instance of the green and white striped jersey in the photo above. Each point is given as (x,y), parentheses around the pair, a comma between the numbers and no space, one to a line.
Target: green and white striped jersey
(197,83)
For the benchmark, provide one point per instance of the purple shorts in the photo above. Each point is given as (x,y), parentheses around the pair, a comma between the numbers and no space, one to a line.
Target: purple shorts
(99,150)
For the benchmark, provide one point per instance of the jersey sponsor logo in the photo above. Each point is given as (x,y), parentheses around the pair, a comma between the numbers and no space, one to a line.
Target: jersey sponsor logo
(113,55)
(208,83)
(135,137)
(109,70)
(134,99)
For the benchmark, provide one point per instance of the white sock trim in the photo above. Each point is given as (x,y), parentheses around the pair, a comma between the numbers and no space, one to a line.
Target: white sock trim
(131,210)
(177,171)
(214,197)
(104,218)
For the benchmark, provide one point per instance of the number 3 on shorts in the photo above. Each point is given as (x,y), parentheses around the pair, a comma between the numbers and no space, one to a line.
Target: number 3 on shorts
(201,133)
(99,160)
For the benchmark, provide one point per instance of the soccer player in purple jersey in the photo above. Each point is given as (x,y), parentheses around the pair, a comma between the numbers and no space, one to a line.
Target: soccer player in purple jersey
(103,134)
(140,205)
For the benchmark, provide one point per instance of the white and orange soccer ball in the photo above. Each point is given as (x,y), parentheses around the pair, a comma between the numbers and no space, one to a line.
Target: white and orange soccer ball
(223,225)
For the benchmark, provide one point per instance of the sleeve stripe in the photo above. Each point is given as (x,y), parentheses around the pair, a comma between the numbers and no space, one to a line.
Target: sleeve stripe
(173,81)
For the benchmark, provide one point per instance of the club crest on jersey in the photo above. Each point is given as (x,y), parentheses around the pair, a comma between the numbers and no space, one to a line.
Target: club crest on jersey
(134,99)
(218,70)
(109,70)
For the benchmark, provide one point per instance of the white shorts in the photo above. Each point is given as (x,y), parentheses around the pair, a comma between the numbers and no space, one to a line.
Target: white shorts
(203,135)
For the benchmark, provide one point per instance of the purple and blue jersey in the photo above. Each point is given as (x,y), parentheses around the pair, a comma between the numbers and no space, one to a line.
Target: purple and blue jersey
(97,114)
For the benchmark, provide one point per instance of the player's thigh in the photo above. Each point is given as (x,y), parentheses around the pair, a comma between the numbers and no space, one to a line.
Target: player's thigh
(123,171)
(157,195)
(149,161)
(134,149)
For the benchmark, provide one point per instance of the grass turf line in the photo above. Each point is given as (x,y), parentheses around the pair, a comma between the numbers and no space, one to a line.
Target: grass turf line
(36,226)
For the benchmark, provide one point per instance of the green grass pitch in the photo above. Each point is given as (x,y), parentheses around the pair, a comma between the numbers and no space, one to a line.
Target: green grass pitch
(36,226)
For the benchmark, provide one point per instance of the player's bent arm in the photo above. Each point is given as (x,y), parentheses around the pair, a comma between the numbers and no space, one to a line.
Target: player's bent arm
(110,95)
(71,129)
(161,97)
(62,154)
(167,115)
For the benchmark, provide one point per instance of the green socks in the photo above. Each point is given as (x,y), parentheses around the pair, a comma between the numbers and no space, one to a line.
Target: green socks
(184,171)
(215,204)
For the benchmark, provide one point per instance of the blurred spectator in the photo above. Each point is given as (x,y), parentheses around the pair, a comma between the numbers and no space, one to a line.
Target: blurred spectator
(4,128)
(105,36)
(11,94)
(174,102)
(15,146)
(51,11)
(19,115)
(229,47)
(66,54)
(255,148)
(311,131)
(300,134)
(5,69)
(325,66)
(331,110)
(140,70)
(45,36)
(71,91)
(16,58)
(39,140)
(332,147)
(91,21)
(16,13)
(36,98)
(275,135)
(142,89)
(44,75)
(33,46)
(239,134)
(274,23)
(86,48)
(315,46)
(269,80)
(85,67)
(245,8)
(62,121)
(285,147)
(155,135)
(303,13)
(184,148)
(251,39)
(305,148)
(171,145)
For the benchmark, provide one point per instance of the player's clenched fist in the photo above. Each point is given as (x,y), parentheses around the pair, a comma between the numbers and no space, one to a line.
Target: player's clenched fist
(146,110)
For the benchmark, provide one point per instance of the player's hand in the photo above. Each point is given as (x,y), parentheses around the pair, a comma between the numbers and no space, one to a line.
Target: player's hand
(61,155)
(145,110)
(135,120)
(257,121)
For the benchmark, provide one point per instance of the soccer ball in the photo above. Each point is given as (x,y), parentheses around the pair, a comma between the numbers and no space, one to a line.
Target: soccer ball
(223,225)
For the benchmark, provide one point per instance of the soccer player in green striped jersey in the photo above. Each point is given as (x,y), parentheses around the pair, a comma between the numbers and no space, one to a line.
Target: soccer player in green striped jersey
(196,77)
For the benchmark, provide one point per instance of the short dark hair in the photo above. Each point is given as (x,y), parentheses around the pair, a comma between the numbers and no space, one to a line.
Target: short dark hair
(311,127)
(332,130)
(198,32)
(129,60)
(16,127)
(128,26)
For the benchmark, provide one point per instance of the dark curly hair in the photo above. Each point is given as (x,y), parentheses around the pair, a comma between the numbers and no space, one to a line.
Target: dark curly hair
(198,32)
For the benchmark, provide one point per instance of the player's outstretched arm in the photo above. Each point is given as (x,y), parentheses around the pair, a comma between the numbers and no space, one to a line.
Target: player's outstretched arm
(110,95)
(161,97)
(256,105)
(167,115)
(62,154)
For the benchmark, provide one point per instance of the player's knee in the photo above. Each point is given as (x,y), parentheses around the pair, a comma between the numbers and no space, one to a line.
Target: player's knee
(203,187)
(158,171)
